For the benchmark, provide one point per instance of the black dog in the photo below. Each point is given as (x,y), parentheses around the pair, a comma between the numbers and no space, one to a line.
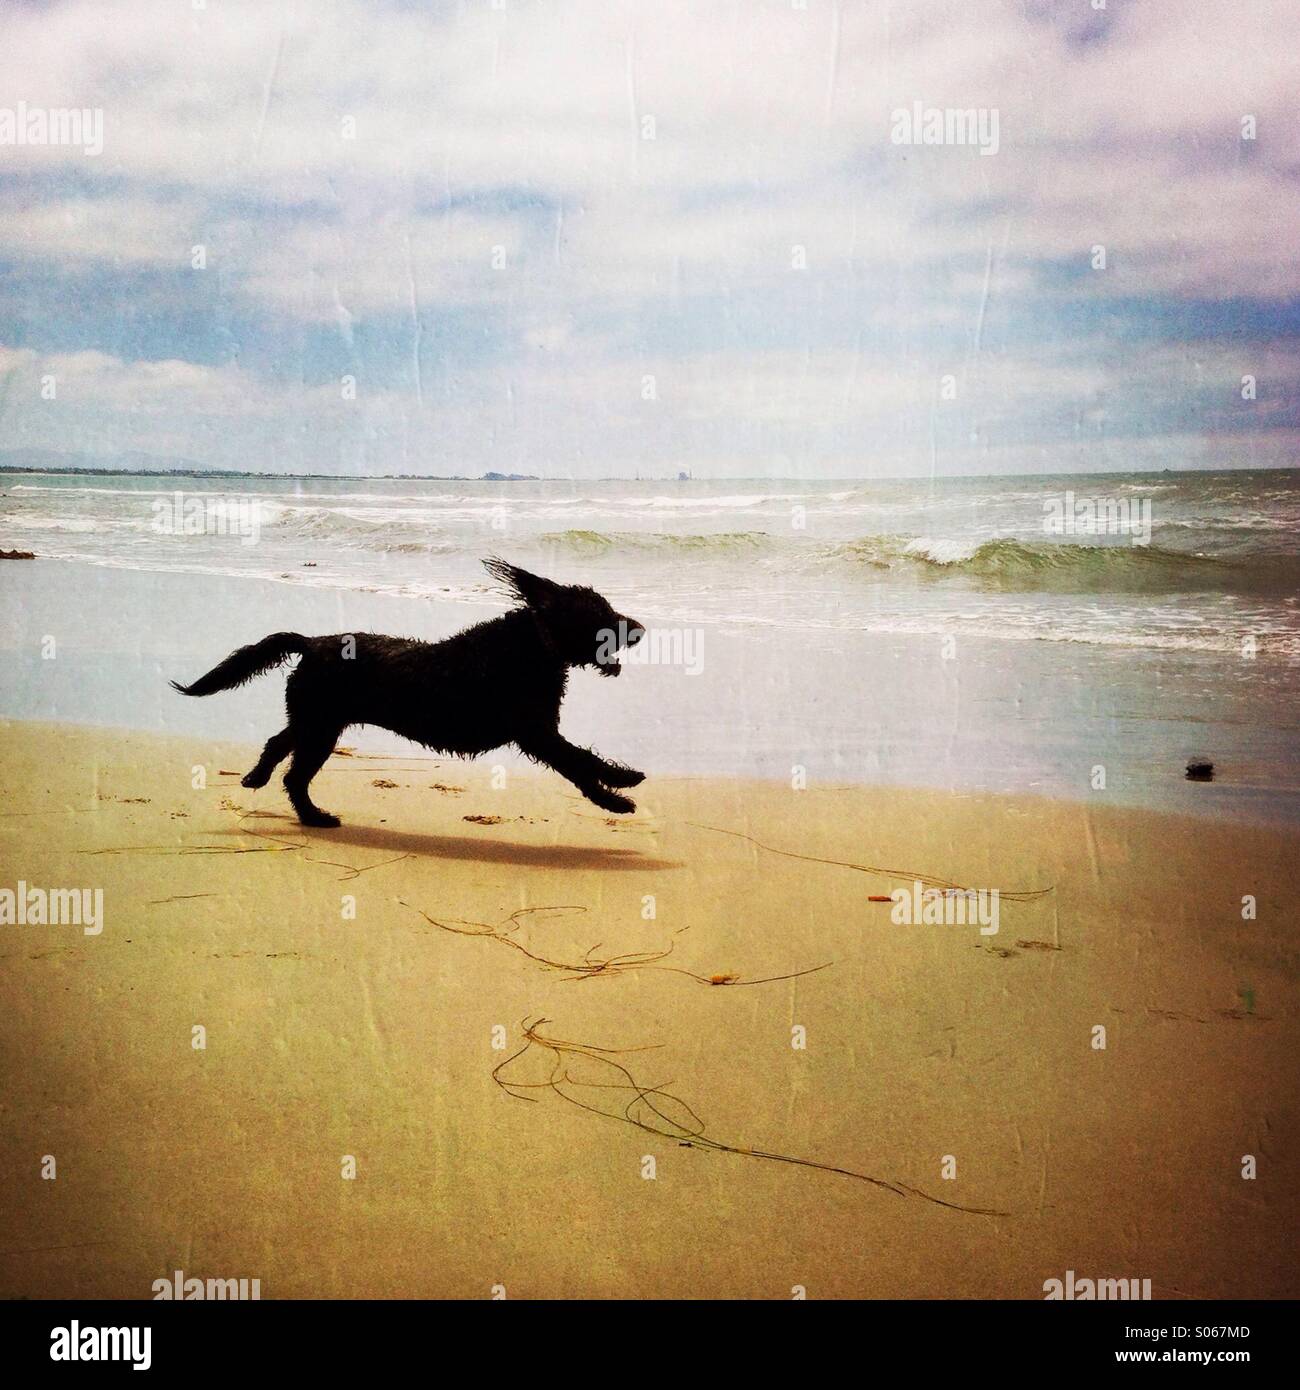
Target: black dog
(497,682)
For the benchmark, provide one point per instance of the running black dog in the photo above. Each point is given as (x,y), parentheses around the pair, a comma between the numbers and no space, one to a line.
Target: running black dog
(497,682)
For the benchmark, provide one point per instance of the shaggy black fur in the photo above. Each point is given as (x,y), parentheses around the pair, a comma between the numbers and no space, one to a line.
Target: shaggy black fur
(497,682)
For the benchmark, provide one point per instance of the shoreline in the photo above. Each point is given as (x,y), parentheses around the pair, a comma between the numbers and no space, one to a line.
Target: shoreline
(888,710)
(353,745)
(479,911)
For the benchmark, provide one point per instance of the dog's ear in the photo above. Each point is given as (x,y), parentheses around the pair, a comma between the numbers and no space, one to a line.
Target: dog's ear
(531,589)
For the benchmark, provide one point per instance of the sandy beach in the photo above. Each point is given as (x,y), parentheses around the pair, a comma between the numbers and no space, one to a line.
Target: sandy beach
(364,993)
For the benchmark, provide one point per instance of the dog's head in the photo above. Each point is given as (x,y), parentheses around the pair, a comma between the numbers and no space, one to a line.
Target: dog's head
(584,628)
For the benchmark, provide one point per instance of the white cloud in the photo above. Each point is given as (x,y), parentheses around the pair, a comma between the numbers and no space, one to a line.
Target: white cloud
(1136,136)
(343,160)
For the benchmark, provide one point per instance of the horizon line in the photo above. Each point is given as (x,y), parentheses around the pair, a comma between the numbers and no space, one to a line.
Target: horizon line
(493,476)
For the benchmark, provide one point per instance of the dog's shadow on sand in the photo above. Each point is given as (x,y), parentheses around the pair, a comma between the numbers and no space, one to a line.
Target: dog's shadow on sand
(479,849)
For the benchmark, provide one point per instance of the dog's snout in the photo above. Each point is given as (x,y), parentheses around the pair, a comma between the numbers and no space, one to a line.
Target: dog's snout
(635,632)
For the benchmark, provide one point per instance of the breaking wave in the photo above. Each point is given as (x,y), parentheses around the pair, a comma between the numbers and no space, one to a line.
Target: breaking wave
(1070,566)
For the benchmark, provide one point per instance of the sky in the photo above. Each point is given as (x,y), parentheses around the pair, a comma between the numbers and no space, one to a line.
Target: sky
(591,238)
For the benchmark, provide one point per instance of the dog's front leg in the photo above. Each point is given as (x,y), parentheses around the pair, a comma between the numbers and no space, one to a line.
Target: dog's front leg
(614,774)
(582,767)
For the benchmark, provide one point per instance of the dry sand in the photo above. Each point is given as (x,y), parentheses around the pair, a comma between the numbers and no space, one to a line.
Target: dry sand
(374,1037)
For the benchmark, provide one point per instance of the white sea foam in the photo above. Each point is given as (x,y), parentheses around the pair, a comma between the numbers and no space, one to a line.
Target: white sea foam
(874,556)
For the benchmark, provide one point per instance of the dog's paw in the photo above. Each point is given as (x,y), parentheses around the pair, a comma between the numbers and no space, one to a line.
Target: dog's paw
(320,820)
(254,779)
(620,776)
(611,801)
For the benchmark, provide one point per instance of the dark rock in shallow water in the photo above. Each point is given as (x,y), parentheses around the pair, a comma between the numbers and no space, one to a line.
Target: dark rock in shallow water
(16,555)
(1200,770)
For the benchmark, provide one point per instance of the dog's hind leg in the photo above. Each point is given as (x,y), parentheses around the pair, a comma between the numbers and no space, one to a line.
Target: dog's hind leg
(311,749)
(580,766)
(278,747)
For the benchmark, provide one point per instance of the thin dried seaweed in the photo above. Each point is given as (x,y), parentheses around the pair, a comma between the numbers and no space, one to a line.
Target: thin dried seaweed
(188,849)
(275,843)
(648,1107)
(1021,896)
(351,870)
(590,966)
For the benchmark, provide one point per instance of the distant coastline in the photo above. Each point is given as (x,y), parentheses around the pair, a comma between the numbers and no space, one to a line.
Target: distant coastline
(83,471)
(196,471)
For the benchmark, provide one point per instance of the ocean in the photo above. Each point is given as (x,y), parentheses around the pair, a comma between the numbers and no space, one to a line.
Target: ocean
(1007,634)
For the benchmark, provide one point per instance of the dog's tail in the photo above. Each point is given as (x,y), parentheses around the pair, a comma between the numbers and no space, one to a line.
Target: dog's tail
(241,666)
